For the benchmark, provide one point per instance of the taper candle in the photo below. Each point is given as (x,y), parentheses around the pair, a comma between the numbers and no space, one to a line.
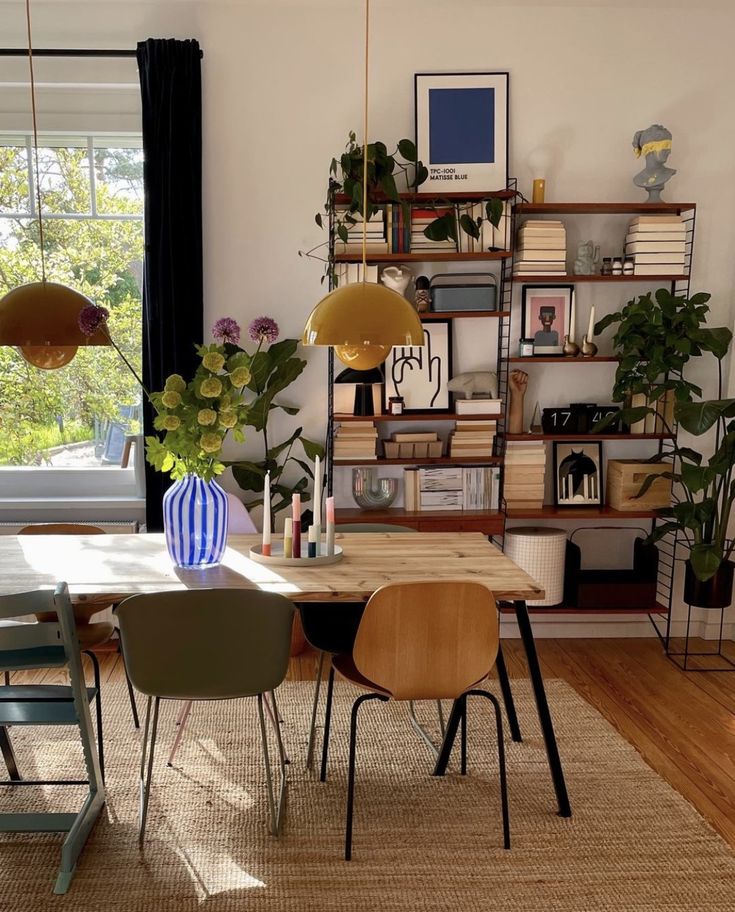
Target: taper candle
(317,503)
(288,537)
(330,526)
(591,329)
(573,318)
(296,514)
(266,549)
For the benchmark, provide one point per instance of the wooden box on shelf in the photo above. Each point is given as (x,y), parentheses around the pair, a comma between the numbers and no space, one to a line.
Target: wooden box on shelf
(624,480)
(412,450)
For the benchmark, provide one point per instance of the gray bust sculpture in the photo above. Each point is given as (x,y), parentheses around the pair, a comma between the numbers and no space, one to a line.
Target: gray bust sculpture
(654,144)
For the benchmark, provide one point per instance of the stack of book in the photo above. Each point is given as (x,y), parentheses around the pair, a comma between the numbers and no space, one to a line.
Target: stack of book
(451,488)
(525,472)
(420,220)
(491,238)
(660,420)
(355,441)
(472,438)
(376,234)
(350,273)
(657,244)
(413,445)
(541,248)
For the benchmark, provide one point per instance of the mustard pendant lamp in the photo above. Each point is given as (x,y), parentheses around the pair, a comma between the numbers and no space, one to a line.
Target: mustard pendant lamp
(363,320)
(41,318)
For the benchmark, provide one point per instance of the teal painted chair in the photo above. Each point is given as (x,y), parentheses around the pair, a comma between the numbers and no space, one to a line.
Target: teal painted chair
(48,645)
(207,644)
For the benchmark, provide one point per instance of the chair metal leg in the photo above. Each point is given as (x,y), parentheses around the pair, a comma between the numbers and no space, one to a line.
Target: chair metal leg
(98,704)
(131,692)
(420,730)
(442,722)
(6,749)
(277,722)
(450,734)
(463,738)
(351,780)
(314,711)
(327,724)
(510,707)
(501,761)
(276,808)
(145,783)
(181,722)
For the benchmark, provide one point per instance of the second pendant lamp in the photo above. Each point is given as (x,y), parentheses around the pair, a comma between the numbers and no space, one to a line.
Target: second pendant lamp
(363,320)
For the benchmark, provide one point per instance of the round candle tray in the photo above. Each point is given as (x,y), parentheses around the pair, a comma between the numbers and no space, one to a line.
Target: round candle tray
(276,558)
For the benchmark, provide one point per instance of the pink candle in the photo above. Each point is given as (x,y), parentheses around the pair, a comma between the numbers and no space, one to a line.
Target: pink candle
(296,516)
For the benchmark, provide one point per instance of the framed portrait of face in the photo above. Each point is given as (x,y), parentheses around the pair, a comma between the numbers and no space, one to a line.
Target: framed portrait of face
(578,473)
(546,316)
(420,373)
(462,131)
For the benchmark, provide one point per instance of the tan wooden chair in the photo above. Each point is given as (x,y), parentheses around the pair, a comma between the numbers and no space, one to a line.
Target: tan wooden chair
(425,641)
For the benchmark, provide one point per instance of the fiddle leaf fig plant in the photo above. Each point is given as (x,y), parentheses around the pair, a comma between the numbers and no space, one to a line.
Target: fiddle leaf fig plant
(656,337)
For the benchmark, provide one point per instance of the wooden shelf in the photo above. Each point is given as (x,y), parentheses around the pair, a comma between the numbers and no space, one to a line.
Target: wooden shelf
(427,256)
(603,208)
(463,314)
(412,197)
(571,279)
(489,522)
(429,460)
(578,437)
(561,359)
(563,609)
(548,511)
(418,416)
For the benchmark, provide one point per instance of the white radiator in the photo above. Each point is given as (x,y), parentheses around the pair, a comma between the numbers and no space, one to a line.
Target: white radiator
(111,527)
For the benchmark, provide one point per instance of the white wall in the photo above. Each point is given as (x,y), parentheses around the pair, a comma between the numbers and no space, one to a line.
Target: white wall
(283,85)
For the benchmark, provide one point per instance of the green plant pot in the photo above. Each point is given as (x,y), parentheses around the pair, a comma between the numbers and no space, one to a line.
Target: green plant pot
(716,592)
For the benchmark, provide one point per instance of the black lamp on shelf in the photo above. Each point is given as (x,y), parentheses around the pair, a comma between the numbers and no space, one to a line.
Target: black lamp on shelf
(363,381)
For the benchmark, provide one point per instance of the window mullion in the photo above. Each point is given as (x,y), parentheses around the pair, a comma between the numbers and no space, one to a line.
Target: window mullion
(31,178)
(92,176)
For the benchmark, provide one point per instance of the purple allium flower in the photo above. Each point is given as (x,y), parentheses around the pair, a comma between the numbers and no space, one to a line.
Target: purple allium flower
(91,318)
(226,330)
(263,329)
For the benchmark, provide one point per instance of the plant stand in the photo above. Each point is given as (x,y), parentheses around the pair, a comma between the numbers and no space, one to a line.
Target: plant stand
(681,659)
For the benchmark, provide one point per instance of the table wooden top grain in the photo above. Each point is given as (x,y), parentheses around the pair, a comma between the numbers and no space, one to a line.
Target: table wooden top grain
(110,567)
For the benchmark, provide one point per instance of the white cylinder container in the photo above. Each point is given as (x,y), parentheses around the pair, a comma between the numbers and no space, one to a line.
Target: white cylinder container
(540,552)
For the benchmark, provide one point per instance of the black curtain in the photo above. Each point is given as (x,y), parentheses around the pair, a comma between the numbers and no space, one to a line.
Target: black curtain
(173,309)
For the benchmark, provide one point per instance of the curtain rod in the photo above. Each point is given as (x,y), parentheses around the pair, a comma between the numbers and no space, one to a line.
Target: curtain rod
(70,52)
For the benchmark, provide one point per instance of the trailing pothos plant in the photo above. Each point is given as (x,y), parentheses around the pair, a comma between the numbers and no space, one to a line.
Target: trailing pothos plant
(385,170)
(273,368)
(656,337)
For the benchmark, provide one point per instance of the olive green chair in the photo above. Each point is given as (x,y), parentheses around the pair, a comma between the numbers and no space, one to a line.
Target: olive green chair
(48,645)
(207,644)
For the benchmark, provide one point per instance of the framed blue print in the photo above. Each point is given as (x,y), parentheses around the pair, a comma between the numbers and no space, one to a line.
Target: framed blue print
(462,131)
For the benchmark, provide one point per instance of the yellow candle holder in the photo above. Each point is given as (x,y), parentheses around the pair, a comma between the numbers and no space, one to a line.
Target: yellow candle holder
(539,190)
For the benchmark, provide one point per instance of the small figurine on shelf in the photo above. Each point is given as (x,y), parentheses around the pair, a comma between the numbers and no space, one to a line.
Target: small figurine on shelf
(422,298)
(588,258)
(518,383)
(654,144)
(536,425)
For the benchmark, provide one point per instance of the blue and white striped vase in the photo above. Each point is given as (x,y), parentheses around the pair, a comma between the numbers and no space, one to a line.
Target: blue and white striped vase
(195,522)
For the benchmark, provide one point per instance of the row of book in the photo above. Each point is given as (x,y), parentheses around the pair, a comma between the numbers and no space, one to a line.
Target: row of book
(451,488)
(525,474)
(413,445)
(472,438)
(398,229)
(660,420)
(657,244)
(357,440)
(541,248)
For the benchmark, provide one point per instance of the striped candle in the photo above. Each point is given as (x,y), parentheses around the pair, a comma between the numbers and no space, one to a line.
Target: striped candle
(195,514)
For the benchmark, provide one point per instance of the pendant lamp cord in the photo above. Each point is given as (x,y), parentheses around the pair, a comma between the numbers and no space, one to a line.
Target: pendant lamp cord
(364,146)
(35,141)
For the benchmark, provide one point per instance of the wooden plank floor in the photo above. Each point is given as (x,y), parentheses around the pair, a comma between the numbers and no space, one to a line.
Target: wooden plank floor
(682,724)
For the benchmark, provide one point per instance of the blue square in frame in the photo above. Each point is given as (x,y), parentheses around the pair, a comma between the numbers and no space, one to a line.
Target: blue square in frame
(462,126)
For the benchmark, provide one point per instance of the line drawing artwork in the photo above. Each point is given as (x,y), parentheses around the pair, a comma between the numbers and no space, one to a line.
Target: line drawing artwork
(420,359)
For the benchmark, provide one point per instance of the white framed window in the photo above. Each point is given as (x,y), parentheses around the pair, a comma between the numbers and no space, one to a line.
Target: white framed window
(63,432)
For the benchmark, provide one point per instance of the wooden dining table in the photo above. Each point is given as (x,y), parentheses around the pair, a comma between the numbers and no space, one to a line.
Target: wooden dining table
(104,569)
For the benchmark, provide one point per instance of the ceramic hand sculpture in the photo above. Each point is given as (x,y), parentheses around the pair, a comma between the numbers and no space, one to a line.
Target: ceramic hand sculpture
(654,144)
(518,382)
(397,278)
(483,382)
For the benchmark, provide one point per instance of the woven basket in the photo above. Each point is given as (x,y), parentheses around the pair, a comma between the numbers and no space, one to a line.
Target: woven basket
(540,552)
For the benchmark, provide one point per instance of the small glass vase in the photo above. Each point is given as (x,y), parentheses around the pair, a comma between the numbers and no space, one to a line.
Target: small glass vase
(195,514)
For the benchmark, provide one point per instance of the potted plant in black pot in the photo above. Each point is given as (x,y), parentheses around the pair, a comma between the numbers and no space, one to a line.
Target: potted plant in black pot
(656,337)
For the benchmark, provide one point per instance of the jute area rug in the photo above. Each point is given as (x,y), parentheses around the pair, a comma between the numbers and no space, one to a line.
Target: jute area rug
(420,843)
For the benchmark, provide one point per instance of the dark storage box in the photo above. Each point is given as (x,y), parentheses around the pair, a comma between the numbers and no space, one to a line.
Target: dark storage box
(463,291)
